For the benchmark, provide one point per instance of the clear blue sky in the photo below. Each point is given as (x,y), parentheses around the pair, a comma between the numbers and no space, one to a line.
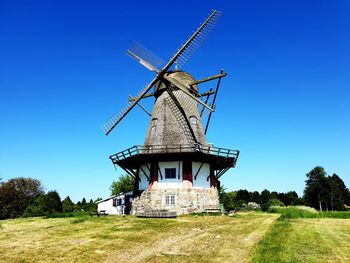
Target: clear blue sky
(64,72)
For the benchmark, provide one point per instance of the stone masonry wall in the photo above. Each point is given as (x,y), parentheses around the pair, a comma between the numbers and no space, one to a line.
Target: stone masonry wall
(187,200)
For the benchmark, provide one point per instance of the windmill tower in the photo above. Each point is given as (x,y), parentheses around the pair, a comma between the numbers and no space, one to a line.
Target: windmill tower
(176,169)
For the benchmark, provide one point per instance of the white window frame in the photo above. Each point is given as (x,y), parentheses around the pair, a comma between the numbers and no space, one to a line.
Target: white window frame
(170,200)
(154,122)
(193,120)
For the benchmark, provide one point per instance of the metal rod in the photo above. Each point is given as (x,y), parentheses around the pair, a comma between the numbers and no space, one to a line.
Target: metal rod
(216,93)
(146,96)
(144,173)
(200,167)
(144,109)
(206,100)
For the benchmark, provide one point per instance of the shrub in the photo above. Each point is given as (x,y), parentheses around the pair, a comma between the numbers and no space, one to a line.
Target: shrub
(71,214)
(253,206)
(275,202)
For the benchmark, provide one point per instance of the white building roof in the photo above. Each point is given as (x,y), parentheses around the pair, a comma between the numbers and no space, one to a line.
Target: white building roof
(114,196)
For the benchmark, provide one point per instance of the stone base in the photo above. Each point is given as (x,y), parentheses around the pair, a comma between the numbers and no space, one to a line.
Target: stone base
(187,200)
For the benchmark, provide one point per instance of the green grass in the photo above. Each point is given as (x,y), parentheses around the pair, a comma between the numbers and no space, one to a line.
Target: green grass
(130,239)
(247,237)
(305,240)
(71,214)
(291,212)
(302,234)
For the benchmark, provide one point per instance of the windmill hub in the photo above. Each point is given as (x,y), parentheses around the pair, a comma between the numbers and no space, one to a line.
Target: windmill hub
(179,75)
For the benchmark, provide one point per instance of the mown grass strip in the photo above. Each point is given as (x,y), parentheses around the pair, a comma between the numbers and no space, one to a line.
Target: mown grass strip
(304,235)
(271,248)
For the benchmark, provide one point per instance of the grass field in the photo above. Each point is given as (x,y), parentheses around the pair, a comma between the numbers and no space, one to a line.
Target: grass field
(256,237)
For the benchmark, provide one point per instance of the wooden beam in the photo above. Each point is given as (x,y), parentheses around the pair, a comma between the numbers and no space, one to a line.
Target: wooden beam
(221,75)
(185,89)
(160,172)
(210,92)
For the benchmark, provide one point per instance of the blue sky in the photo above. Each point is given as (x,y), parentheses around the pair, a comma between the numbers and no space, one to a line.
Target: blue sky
(64,72)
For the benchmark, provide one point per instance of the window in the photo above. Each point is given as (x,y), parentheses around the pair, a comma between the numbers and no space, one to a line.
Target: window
(154,122)
(117,202)
(170,200)
(170,173)
(193,120)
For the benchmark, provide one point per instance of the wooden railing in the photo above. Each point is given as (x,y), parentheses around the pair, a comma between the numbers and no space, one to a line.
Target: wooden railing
(160,149)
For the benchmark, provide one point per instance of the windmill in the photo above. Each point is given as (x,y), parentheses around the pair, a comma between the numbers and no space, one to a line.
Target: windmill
(176,169)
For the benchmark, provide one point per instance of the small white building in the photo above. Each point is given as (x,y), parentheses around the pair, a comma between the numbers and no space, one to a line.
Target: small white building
(116,205)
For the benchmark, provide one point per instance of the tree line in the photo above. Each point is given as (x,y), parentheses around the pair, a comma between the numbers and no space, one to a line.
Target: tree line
(26,197)
(322,192)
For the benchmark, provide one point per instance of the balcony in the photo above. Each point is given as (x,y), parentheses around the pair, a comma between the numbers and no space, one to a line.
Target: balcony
(169,149)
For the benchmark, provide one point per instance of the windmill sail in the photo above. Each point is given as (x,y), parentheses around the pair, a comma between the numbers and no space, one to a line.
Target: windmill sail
(187,49)
(197,38)
(151,61)
(108,127)
(145,57)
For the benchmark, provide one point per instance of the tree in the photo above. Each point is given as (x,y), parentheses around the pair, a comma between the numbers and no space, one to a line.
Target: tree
(243,195)
(83,204)
(293,198)
(90,206)
(265,198)
(77,206)
(54,202)
(339,194)
(98,199)
(325,192)
(45,204)
(255,197)
(124,184)
(67,205)
(315,187)
(228,200)
(16,194)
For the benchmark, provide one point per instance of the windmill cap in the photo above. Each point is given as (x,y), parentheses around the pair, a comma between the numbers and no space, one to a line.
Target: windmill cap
(183,76)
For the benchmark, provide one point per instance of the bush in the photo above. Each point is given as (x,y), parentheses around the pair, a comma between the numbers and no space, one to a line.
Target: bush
(44,204)
(71,214)
(253,206)
(275,202)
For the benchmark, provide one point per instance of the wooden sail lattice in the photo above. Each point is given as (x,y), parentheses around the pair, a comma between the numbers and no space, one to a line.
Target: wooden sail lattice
(145,57)
(114,120)
(198,37)
(181,119)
